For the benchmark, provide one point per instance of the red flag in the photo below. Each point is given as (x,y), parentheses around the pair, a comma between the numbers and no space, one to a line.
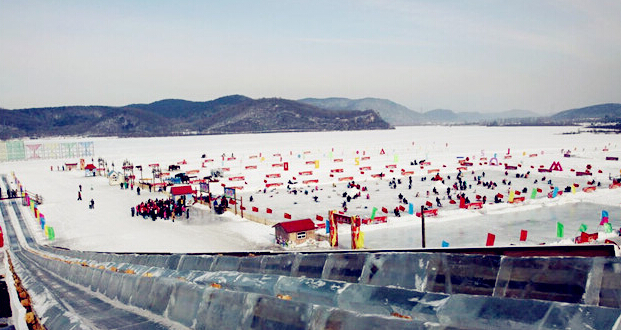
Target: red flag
(428,203)
(255,209)
(523,235)
(287,216)
(385,210)
(319,218)
(490,239)
(269,210)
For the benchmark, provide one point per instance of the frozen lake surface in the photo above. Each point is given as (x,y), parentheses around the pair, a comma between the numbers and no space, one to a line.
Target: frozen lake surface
(253,161)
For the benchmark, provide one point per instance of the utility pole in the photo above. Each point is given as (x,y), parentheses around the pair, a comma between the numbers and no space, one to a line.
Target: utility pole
(422,217)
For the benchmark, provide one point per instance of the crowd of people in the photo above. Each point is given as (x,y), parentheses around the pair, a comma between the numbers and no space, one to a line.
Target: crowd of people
(161,208)
(11,193)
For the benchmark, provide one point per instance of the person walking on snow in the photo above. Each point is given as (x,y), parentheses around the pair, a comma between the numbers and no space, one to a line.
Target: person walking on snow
(79,196)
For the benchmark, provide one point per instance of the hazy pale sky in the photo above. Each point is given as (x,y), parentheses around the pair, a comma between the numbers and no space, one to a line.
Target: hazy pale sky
(537,55)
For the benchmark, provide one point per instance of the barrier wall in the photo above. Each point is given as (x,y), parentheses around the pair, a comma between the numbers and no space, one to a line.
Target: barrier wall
(592,281)
(251,300)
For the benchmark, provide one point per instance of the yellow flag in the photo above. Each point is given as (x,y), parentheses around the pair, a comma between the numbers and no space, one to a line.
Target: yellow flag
(511,195)
(360,243)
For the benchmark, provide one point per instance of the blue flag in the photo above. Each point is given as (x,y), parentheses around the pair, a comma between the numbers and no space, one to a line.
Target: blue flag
(445,244)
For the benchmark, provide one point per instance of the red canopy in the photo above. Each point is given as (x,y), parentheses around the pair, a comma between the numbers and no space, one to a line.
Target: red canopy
(181,190)
(90,167)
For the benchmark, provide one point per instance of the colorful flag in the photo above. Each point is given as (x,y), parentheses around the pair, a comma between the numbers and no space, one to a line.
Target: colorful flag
(490,239)
(555,192)
(373,213)
(445,244)
(604,217)
(523,235)
(511,195)
(608,227)
(559,229)
(573,189)
(583,228)
(533,195)
(411,210)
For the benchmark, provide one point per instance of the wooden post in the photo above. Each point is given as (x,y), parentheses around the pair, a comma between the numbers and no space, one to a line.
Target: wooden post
(235,199)
(422,217)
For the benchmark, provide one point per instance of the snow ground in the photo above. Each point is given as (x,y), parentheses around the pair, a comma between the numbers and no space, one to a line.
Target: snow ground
(110,227)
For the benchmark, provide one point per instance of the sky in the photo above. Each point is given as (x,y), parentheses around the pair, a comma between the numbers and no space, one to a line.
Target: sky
(540,55)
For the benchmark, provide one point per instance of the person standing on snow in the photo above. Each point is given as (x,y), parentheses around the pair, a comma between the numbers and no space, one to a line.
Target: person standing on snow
(79,195)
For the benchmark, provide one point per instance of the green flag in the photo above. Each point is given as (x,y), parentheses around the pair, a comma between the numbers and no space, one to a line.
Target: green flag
(608,227)
(583,228)
(533,195)
(559,229)
(373,213)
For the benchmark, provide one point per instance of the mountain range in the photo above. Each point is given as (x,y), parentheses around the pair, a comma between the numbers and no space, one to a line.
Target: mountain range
(241,114)
(399,115)
(229,114)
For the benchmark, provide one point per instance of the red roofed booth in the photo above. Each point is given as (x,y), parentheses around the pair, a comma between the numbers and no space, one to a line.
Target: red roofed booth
(294,232)
(184,192)
(90,170)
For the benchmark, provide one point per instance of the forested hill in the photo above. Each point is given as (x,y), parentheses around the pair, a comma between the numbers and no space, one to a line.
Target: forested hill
(606,111)
(229,114)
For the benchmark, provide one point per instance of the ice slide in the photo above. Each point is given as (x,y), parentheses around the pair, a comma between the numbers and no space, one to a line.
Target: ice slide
(350,290)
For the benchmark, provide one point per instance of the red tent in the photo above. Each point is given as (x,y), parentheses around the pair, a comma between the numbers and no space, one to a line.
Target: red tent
(90,167)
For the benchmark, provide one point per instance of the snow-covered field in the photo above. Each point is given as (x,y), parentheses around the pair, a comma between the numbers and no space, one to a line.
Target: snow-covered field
(331,158)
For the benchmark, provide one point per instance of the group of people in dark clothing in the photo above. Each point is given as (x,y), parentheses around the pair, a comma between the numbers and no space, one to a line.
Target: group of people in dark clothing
(161,208)
(11,193)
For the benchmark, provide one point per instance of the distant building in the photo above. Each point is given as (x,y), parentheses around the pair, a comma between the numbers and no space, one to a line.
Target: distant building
(115,178)
(294,232)
(184,192)
(71,166)
(90,170)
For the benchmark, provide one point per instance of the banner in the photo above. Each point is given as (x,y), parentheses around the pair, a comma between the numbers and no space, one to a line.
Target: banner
(523,235)
(490,239)
(334,234)
(559,229)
